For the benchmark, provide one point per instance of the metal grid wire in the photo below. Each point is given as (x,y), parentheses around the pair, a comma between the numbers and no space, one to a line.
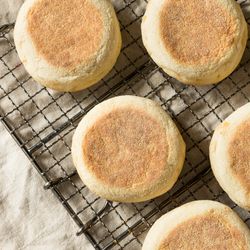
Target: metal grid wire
(42,122)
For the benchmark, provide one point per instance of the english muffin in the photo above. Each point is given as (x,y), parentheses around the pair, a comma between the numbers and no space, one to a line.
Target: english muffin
(230,156)
(198,225)
(67,45)
(199,42)
(128,149)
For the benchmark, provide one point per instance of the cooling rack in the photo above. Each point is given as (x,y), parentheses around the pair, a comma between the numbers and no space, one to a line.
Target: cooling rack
(42,122)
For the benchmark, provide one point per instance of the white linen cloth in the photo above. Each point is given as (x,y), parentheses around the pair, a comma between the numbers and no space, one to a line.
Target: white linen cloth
(30,217)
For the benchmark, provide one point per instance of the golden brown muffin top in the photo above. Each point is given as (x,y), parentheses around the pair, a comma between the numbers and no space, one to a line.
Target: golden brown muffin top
(239,152)
(125,148)
(196,32)
(65,33)
(204,232)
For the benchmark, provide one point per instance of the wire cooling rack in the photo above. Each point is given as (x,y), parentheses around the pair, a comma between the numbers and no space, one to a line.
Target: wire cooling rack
(42,122)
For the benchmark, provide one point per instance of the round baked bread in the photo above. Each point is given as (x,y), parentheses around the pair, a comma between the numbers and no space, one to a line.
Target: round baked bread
(128,149)
(67,45)
(198,225)
(230,156)
(199,42)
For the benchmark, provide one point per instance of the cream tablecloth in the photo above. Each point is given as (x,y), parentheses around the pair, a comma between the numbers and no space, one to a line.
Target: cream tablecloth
(30,217)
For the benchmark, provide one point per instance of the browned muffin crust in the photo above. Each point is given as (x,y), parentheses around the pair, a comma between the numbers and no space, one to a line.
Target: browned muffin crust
(205,232)
(65,33)
(195,31)
(239,151)
(125,148)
